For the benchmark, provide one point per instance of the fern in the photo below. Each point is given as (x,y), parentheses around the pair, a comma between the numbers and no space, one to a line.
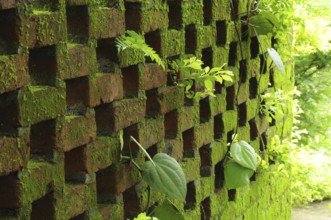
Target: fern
(133,40)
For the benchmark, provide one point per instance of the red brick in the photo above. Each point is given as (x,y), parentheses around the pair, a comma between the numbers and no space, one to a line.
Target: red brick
(14,153)
(110,87)
(120,114)
(154,76)
(13,72)
(7,4)
(75,131)
(107,23)
(117,178)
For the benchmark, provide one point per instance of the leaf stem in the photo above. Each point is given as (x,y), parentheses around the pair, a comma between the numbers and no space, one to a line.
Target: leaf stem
(143,150)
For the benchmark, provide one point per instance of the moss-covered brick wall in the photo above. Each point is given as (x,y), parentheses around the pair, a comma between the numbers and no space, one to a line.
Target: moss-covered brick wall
(67,97)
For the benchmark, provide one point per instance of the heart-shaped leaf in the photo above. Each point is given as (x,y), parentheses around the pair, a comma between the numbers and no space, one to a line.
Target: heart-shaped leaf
(277,60)
(165,175)
(167,210)
(244,154)
(235,175)
(261,24)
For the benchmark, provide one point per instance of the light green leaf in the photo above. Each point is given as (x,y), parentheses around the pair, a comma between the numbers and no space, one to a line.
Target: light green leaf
(227,78)
(165,176)
(167,210)
(218,79)
(143,216)
(277,60)
(208,85)
(244,154)
(235,175)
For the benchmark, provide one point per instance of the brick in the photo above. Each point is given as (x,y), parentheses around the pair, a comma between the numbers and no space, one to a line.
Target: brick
(172,43)
(191,168)
(7,4)
(218,104)
(174,147)
(112,211)
(220,6)
(203,134)
(117,178)
(76,60)
(165,100)
(188,117)
(229,120)
(50,178)
(78,194)
(106,22)
(119,114)
(130,57)
(43,28)
(99,150)
(31,105)
(192,12)
(219,149)
(14,152)
(148,132)
(154,76)
(13,72)
(143,18)
(74,131)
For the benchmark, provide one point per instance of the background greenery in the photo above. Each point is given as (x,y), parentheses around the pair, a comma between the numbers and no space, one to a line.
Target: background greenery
(308,23)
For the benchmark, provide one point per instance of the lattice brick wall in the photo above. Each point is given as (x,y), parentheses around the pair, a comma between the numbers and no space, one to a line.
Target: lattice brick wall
(66,96)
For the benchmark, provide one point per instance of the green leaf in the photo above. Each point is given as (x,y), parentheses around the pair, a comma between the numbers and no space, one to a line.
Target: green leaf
(235,175)
(261,24)
(227,78)
(244,154)
(167,210)
(165,176)
(277,60)
(208,85)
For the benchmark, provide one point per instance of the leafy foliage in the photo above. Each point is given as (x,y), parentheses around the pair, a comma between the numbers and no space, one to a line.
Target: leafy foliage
(244,155)
(167,210)
(194,74)
(264,22)
(239,169)
(133,40)
(143,216)
(165,174)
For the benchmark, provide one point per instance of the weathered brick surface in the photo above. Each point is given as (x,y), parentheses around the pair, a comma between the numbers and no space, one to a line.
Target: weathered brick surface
(67,98)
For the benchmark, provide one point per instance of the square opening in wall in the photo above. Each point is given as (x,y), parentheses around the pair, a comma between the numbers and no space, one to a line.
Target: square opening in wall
(78,24)
(207,57)
(234,9)
(133,15)
(76,164)
(254,132)
(43,65)
(131,81)
(153,39)
(207,12)
(9,189)
(205,153)
(43,208)
(254,46)
(218,126)
(107,55)
(205,110)
(221,33)
(190,39)
(188,142)
(190,199)
(82,216)
(243,70)
(8,32)
(46,5)
(230,98)
(131,203)
(43,138)
(242,108)
(253,87)
(175,14)
(244,29)
(171,124)
(233,54)
(77,95)
(205,209)
(219,175)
